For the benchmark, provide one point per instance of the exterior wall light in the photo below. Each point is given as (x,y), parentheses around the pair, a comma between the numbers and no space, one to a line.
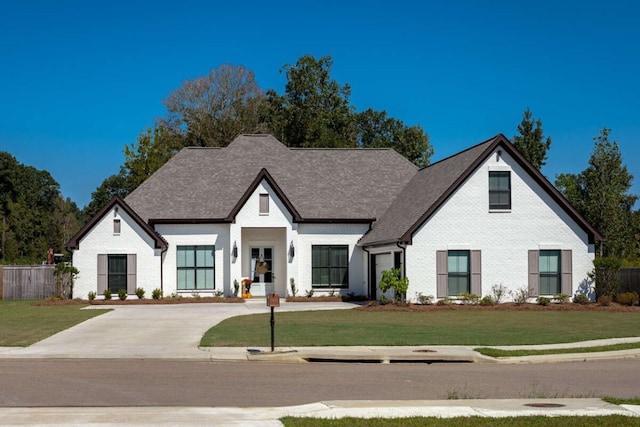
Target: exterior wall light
(292,250)
(234,251)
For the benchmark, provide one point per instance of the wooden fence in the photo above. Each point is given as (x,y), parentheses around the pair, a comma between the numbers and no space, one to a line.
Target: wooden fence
(22,282)
(629,279)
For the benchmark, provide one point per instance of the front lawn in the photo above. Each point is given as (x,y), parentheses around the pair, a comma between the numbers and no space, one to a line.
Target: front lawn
(433,327)
(23,323)
(527,421)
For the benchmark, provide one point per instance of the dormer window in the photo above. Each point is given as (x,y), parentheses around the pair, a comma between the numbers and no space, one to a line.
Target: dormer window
(499,190)
(264,204)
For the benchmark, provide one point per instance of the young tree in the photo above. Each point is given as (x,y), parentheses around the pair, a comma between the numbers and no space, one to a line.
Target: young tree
(531,141)
(601,194)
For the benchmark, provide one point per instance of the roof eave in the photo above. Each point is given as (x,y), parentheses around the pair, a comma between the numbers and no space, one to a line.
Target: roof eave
(74,242)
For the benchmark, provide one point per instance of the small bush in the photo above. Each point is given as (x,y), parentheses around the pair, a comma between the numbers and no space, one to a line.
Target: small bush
(156,294)
(292,285)
(445,301)
(140,293)
(424,299)
(543,301)
(309,293)
(561,298)
(488,300)
(236,288)
(195,295)
(107,294)
(520,296)
(604,300)
(218,293)
(498,292)
(122,294)
(92,295)
(468,298)
(581,299)
(627,298)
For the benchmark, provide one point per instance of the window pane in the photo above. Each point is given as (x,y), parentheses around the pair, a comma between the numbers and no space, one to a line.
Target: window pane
(320,256)
(458,261)
(339,256)
(549,261)
(320,276)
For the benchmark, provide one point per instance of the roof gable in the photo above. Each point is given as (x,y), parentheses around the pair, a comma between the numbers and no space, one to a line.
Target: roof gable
(432,186)
(116,201)
(320,185)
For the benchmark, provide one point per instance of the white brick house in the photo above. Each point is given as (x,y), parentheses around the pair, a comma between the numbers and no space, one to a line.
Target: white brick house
(333,219)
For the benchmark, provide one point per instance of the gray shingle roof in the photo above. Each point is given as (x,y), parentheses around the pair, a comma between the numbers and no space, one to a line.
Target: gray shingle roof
(423,193)
(321,184)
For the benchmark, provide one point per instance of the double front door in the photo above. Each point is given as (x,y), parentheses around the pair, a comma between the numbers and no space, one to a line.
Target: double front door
(262,270)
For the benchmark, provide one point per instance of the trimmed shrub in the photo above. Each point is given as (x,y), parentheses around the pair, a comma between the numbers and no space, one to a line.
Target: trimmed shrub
(604,300)
(543,301)
(140,293)
(487,300)
(581,299)
(156,294)
(561,298)
(627,298)
(122,294)
(107,293)
(92,295)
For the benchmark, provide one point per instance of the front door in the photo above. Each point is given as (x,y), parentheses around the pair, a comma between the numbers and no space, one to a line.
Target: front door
(262,270)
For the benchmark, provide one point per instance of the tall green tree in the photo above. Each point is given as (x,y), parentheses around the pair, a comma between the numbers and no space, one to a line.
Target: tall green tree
(28,205)
(531,141)
(116,184)
(314,110)
(601,194)
(376,130)
(154,147)
(211,110)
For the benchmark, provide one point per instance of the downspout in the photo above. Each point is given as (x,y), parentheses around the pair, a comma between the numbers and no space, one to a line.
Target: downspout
(368,272)
(162,252)
(404,260)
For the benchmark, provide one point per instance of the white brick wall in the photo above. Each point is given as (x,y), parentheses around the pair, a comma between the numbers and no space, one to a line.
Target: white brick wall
(101,240)
(465,222)
(194,234)
(332,234)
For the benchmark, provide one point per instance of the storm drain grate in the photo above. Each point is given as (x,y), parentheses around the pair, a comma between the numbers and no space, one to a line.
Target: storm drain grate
(544,405)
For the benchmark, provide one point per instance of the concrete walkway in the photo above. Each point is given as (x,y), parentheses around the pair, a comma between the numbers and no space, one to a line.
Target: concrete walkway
(196,416)
(174,332)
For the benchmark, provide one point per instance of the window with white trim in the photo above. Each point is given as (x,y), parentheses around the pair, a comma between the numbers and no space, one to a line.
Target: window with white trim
(499,190)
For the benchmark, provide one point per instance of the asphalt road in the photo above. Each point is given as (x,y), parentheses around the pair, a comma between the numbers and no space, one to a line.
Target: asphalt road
(135,382)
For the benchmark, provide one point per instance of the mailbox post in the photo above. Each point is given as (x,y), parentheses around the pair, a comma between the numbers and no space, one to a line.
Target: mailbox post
(273,300)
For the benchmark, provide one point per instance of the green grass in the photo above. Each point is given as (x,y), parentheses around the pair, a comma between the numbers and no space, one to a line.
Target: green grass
(447,327)
(617,401)
(527,421)
(22,323)
(494,352)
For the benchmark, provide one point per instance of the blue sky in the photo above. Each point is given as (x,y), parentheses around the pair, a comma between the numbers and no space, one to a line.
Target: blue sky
(80,79)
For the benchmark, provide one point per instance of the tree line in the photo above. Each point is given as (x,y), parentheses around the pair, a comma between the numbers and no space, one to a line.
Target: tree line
(313,111)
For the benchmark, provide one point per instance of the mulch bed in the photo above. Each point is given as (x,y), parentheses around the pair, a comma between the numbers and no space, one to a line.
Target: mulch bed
(366,306)
(137,301)
(613,307)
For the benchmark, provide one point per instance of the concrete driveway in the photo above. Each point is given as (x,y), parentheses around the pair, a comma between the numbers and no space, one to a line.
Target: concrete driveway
(171,331)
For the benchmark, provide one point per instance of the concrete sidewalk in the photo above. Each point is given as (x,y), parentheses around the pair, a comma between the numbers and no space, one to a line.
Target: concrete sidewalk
(194,416)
